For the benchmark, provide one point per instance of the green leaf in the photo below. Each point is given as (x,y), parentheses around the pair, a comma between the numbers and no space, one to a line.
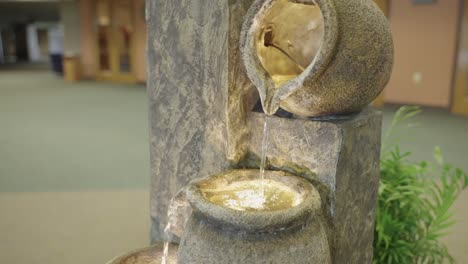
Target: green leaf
(438,156)
(414,203)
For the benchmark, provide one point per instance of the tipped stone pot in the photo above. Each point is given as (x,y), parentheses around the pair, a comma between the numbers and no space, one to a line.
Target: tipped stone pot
(218,234)
(317,57)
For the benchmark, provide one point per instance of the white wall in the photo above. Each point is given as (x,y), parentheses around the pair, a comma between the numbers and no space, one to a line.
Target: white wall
(70,17)
(55,41)
(33,44)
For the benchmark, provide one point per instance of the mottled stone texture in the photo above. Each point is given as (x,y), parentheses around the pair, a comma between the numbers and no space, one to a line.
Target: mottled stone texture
(194,76)
(206,243)
(215,234)
(342,159)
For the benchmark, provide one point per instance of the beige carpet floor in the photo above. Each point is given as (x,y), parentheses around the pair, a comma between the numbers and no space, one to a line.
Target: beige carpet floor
(71,227)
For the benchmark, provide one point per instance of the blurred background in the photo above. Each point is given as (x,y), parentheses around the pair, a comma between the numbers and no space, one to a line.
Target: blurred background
(74,150)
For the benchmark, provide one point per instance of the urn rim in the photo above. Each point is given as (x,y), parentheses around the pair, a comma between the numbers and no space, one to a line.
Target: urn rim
(256,221)
(258,74)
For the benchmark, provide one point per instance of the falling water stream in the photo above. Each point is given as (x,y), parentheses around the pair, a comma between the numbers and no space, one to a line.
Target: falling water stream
(177,215)
(264,147)
(166,248)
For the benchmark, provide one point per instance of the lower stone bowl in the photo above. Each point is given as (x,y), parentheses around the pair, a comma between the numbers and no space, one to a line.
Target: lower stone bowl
(148,255)
(227,225)
(309,200)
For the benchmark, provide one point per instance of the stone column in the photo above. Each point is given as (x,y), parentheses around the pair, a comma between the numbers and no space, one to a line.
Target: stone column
(195,75)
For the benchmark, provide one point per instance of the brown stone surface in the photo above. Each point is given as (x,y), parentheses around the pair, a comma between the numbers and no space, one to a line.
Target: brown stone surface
(342,158)
(216,234)
(205,245)
(194,76)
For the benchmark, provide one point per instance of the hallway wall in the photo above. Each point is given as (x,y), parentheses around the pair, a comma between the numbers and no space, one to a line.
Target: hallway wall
(425,45)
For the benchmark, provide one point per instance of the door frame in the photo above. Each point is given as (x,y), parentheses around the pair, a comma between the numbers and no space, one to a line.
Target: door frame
(459,100)
(114,75)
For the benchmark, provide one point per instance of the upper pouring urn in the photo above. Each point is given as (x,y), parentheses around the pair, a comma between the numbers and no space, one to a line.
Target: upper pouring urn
(317,57)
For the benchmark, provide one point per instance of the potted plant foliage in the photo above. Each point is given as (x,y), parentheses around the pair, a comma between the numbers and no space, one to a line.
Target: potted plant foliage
(414,204)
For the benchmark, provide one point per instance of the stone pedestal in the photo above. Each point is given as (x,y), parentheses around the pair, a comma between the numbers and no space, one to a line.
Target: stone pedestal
(342,158)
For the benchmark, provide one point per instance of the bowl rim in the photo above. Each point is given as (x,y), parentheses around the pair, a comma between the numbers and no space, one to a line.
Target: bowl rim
(255,221)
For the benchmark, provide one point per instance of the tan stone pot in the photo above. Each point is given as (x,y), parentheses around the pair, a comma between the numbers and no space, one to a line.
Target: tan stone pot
(315,58)
(220,235)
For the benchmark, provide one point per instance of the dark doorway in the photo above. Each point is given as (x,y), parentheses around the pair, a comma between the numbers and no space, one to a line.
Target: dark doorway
(21,42)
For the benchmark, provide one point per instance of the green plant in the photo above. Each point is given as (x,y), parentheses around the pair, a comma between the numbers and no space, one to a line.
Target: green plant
(414,203)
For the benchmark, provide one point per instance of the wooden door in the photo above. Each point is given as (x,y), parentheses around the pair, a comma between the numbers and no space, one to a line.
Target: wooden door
(115,40)
(460,94)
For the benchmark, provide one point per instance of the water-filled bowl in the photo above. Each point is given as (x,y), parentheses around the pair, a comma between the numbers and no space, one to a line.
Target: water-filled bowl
(305,200)
(223,230)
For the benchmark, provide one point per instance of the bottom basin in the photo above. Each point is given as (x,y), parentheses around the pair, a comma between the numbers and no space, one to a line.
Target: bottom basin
(148,255)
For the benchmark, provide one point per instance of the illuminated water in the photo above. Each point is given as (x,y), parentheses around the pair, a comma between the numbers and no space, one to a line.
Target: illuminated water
(264,148)
(280,79)
(260,194)
(165,252)
(254,195)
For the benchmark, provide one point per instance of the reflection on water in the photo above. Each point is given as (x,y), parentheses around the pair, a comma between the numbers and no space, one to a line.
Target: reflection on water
(254,195)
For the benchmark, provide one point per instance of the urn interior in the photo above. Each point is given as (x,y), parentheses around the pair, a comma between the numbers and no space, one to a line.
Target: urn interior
(288,38)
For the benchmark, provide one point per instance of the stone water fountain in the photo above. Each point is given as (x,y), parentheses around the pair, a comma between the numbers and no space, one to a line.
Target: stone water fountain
(314,66)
